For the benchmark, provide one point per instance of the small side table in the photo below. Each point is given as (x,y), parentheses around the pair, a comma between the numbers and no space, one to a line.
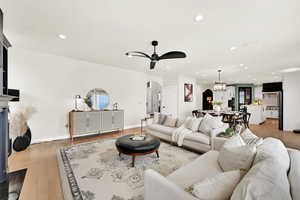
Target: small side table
(218,142)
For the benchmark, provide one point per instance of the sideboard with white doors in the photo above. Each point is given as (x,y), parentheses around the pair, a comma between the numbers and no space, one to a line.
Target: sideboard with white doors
(97,121)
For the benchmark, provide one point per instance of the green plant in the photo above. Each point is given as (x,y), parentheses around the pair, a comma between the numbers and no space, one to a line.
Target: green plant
(217,103)
(229,131)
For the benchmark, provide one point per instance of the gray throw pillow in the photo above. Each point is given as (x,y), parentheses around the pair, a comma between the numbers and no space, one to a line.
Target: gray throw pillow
(170,121)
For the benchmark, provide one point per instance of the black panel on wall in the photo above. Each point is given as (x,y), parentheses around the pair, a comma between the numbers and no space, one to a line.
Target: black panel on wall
(272,87)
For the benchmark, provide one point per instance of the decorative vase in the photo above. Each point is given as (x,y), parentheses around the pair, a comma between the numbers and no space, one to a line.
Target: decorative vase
(218,108)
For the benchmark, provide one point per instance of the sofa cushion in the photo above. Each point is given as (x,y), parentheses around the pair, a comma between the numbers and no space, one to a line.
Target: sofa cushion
(204,166)
(294,173)
(250,138)
(267,179)
(170,121)
(218,187)
(161,128)
(197,137)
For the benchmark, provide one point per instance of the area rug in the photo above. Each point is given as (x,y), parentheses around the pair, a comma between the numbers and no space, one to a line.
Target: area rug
(94,171)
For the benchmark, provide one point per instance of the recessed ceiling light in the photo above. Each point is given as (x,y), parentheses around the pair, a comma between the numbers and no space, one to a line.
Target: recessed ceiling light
(293,69)
(233,48)
(62,36)
(246,67)
(242,65)
(199,18)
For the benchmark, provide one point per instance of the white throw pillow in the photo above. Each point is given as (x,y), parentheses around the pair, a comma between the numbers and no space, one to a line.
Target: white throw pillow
(195,123)
(156,118)
(235,155)
(188,122)
(209,123)
(250,138)
(170,121)
(218,187)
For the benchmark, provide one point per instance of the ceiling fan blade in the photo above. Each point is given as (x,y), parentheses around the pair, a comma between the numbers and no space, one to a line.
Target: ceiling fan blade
(172,55)
(138,54)
(152,64)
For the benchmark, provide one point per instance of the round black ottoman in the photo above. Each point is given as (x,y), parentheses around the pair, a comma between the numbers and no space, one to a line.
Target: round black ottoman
(297,131)
(135,148)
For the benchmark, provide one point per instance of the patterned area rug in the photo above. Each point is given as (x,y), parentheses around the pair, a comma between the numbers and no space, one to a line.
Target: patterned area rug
(94,171)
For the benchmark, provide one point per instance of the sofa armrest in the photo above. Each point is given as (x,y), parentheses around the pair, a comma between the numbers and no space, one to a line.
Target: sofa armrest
(159,188)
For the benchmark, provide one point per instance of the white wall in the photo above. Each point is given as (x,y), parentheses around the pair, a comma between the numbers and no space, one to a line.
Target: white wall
(291,99)
(170,100)
(49,83)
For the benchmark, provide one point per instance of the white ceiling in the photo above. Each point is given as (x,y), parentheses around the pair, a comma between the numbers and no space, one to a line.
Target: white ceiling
(266,34)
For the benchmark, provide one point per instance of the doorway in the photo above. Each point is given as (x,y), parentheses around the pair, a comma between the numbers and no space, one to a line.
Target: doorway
(207,100)
(153,101)
(245,97)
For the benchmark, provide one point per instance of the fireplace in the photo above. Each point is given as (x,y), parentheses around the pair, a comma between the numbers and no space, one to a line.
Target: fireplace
(4,139)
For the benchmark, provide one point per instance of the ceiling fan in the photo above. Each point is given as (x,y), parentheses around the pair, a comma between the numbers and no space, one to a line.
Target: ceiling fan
(154,58)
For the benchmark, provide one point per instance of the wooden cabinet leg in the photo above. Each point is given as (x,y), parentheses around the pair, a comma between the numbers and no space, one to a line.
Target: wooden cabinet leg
(133,160)
(157,153)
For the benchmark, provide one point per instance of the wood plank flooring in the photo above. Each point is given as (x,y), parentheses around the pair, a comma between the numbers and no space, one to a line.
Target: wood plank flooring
(42,181)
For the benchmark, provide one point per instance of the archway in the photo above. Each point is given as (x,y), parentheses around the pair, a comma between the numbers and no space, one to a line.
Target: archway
(207,96)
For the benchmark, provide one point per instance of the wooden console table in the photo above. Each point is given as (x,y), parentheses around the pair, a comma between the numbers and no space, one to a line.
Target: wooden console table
(91,122)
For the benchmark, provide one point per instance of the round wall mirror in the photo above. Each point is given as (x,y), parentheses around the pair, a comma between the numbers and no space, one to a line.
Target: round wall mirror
(97,99)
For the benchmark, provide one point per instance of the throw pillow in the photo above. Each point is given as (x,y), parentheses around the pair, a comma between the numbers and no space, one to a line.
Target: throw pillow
(156,118)
(234,158)
(250,138)
(209,123)
(162,119)
(235,154)
(193,123)
(188,122)
(219,187)
(170,121)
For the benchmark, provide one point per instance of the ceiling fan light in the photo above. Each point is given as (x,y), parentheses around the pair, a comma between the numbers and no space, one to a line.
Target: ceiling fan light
(128,55)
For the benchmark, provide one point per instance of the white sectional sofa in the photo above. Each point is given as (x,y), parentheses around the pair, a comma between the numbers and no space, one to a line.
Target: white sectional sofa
(197,140)
(274,175)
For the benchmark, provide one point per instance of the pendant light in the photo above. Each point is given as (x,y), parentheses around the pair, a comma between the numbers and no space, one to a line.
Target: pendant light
(219,86)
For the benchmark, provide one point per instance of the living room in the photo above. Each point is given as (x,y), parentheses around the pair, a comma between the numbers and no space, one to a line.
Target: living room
(86,84)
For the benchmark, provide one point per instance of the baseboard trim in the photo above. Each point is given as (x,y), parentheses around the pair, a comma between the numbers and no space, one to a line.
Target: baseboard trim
(64,137)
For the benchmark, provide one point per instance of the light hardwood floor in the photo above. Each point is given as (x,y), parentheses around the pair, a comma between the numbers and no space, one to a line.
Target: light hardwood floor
(42,181)
(270,129)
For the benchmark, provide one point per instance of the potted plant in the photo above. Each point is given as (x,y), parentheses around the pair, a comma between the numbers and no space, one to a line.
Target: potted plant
(217,106)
